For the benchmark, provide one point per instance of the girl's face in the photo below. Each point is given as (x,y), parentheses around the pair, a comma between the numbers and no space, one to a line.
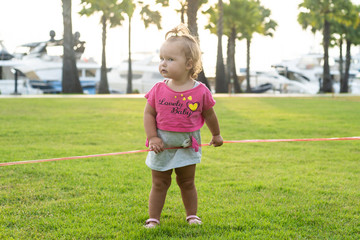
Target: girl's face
(173,63)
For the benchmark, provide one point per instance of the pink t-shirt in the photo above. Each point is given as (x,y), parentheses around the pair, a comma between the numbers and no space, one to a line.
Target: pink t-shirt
(179,111)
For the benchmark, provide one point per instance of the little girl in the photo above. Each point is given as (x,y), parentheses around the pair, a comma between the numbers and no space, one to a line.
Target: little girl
(175,111)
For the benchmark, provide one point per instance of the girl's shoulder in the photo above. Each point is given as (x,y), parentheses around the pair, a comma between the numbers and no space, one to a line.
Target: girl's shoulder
(155,89)
(161,83)
(158,87)
(202,87)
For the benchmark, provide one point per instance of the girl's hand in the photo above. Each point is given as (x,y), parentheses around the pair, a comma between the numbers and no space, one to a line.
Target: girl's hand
(156,144)
(216,141)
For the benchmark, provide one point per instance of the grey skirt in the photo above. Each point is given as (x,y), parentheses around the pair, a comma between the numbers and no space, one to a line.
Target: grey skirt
(174,158)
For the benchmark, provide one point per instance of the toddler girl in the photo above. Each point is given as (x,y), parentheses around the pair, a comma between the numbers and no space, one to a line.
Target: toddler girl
(175,111)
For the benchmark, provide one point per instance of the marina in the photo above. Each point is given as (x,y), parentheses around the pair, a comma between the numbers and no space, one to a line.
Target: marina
(36,68)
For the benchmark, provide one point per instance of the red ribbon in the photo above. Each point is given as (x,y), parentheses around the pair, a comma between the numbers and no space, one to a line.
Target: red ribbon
(195,147)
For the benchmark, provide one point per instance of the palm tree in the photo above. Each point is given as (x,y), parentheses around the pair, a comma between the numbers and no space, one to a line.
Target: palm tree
(352,38)
(232,17)
(220,80)
(182,10)
(233,13)
(257,20)
(148,16)
(318,15)
(348,29)
(241,19)
(70,76)
(110,14)
(237,15)
(192,9)
(231,74)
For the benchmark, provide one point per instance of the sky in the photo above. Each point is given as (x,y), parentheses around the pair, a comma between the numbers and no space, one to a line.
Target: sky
(23,21)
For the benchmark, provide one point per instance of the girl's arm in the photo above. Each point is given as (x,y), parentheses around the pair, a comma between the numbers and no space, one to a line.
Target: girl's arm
(155,143)
(213,125)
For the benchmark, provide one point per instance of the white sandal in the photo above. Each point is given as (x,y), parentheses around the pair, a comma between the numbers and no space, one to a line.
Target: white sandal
(151,223)
(193,219)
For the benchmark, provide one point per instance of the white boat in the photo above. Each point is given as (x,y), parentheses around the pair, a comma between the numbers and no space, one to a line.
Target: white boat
(309,68)
(8,84)
(273,82)
(40,63)
(12,80)
(145,74)
(355,83)
(356,64)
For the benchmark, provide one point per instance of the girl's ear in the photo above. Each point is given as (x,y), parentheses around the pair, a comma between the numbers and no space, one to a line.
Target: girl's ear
(189,64)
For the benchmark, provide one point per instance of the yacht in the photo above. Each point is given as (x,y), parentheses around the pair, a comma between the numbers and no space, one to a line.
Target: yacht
(309,69)
(273,82)
(12,80)
(39,65)
(145,73)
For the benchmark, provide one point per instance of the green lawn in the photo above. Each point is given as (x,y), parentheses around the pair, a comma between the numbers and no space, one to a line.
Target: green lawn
(289,190)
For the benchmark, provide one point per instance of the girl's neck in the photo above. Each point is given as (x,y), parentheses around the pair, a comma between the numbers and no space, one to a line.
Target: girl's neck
(181,86)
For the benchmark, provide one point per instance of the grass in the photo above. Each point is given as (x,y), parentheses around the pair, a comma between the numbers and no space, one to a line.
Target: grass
(289,190)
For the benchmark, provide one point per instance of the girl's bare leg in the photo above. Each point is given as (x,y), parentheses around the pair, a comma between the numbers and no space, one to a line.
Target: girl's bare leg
(161,182)
(185,178)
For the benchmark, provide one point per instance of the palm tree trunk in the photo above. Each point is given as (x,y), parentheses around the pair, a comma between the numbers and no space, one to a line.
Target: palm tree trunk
(220,81)
(237,86)
(182,12)
(248,87)
(228,66)
(344,85)
(70,76)
(192,8)
(231,75)
(341,60)
(103,85)
(327,81)
(129,83)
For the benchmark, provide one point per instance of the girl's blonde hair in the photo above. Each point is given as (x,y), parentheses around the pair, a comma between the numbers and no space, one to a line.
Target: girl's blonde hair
(191,47)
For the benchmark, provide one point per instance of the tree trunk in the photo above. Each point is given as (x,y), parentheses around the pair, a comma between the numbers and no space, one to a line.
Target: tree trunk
(248,87)
(327,81)
(344,85)
(182,12)
(193,6)
(70,76)
(341,60)
(237,84)
(234,76)
(221,84)
(228,66)
(231,75)
(103,85)
(129,78)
